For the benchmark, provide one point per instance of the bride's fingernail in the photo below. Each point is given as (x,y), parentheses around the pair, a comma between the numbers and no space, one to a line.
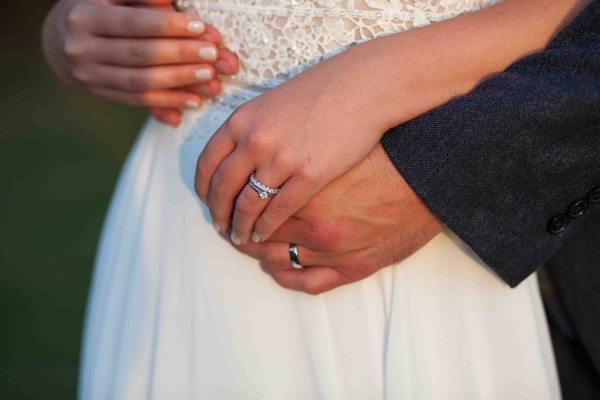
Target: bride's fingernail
(193,104)
(255,238)
(196,26)
(234,239)
(203,74)
(217,227)
(208,53)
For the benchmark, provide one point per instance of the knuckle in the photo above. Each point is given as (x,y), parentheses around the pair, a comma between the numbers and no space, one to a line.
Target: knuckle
(361,264)
(182,77)
(218,189)
(138,98)
(282,159)
(132,100)
(184,52)
(244,206)
(202,170)
(131,21)
(73,50)
(397,252)
(238,120)
(173,24)
(96,92)
(257,141)
(277,210)
(270,259)
(136,82)
(198,182)
(311,287)
(217,89)
(308,174)
(326,235)
(139,54)
(282,280)
(75,16)
(81,76)
(198,187)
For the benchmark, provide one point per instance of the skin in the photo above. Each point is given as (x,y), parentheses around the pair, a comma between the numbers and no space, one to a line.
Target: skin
(344,234)
(320,146)
(143,55)
(299,136)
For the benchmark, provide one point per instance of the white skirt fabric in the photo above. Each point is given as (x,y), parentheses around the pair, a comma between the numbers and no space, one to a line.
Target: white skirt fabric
(176,313)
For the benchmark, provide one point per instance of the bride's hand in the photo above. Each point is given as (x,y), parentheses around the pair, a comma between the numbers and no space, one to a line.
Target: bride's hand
(299,136)
(149,55)
(315,127)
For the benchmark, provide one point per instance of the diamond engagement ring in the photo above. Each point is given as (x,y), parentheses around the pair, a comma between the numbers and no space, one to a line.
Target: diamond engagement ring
(263,190)
(294,256)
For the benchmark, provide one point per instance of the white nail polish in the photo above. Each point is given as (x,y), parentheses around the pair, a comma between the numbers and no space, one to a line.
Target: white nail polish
(193,104)
(236,240)
(217,227)
(203,74)
(208,53)
(255,238)
(196,26)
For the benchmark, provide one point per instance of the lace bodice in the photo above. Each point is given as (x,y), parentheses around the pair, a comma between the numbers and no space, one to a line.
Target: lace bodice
(277,39)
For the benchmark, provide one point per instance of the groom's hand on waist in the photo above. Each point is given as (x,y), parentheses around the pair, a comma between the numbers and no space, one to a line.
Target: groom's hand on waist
(365,220)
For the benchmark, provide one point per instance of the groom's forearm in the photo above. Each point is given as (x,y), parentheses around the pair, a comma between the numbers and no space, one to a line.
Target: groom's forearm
(513,168)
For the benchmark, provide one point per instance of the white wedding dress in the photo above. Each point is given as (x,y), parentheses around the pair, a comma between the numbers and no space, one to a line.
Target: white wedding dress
(176,313)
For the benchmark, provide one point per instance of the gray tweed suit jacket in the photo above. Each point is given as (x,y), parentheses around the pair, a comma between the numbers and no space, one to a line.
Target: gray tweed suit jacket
(513,168)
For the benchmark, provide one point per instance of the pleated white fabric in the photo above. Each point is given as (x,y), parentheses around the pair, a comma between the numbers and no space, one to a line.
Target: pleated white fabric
(176,313)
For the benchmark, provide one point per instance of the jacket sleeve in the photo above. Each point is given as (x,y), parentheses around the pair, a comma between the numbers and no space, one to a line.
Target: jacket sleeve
(513,167)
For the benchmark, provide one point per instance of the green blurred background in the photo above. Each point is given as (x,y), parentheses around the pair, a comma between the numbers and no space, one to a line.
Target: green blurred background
(60,155)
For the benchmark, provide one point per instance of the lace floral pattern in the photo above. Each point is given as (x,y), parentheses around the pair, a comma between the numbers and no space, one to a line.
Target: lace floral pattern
(277,39)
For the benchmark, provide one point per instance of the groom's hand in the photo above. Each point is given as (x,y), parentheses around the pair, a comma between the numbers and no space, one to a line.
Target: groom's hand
(365,220)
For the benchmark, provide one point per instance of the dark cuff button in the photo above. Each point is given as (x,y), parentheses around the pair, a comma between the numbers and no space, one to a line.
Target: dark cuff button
(558,223)
(577,209)
(594,195)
